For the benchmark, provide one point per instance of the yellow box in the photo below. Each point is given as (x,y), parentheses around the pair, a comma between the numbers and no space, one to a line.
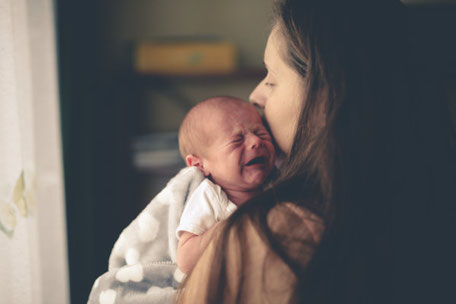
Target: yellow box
(185,58)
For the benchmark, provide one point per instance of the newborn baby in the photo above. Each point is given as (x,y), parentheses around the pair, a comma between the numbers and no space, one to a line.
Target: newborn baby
(229,154)
(225,138)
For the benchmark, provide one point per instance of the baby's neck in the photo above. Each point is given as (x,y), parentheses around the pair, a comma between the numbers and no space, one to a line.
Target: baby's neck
(239,197)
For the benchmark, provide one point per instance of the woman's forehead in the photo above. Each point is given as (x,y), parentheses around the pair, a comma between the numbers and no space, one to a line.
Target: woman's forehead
(273,53)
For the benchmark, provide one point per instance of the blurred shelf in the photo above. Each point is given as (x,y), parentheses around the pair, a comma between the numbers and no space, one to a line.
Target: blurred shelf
(241,74)
(157,153)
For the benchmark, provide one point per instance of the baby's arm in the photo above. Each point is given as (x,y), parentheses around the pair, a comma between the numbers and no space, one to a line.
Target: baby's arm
(191,246)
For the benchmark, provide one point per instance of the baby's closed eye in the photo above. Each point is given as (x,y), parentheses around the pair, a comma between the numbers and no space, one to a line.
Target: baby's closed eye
(263,134)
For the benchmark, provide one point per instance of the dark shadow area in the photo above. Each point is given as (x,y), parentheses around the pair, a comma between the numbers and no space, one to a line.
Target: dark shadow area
(98,121)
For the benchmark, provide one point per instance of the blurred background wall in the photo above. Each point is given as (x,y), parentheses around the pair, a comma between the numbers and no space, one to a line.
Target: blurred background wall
(109,111)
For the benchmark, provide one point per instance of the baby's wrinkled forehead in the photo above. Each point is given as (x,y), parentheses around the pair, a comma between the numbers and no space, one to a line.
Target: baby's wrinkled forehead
(220,117)
(229,123)
(233,114)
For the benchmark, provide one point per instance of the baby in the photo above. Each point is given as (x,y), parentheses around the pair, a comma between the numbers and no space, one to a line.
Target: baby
(227,143)
(225,138)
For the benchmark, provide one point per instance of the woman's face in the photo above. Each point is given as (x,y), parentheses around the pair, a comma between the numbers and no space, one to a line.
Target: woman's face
(280,94)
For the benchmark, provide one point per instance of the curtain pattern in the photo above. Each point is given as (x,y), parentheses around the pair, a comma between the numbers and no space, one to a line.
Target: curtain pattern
(17,193)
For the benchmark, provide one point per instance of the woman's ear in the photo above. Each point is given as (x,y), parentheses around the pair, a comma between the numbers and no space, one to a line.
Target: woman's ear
(195,161)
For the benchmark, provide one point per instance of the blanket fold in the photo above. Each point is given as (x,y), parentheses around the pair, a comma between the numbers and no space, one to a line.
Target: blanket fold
(142,265)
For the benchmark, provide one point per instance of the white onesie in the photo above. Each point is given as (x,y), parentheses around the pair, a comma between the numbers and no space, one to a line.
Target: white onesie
(207,205)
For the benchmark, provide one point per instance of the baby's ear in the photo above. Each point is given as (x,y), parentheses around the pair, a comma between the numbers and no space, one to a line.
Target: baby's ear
(195,161)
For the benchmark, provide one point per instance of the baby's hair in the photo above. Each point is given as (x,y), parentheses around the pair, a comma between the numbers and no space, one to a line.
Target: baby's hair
(192,136)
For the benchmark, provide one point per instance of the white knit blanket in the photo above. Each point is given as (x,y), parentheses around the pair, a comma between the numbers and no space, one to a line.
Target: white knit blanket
(142,265)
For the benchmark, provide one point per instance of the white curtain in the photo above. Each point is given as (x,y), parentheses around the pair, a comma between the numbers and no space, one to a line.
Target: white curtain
(33,258)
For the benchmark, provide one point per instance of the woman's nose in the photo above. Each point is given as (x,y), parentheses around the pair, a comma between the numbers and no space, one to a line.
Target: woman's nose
(257,97)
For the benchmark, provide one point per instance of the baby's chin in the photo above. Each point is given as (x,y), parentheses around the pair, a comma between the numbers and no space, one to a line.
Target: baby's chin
(256,179)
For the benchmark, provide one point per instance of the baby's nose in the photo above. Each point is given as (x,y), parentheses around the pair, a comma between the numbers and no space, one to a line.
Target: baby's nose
(253,141)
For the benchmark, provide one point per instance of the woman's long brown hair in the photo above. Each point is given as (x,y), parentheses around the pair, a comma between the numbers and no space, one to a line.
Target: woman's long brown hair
(357,154)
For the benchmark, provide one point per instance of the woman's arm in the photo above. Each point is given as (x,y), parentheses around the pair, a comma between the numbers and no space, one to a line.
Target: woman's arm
(243,267)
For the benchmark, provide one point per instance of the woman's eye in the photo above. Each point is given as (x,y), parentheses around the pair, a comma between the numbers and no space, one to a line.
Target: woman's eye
(269,84)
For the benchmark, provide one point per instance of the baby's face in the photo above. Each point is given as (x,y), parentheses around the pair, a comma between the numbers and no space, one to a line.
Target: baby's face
(241,154)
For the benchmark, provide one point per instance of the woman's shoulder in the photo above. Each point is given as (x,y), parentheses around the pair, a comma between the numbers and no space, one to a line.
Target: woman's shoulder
(244,251)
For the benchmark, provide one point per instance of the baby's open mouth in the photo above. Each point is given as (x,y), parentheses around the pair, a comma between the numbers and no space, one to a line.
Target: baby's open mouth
(260,160)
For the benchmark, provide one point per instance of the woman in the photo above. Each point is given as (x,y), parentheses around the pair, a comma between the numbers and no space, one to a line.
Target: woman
(338,100)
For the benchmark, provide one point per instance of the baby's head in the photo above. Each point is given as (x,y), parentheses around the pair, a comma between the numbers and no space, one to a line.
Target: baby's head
(226,139)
